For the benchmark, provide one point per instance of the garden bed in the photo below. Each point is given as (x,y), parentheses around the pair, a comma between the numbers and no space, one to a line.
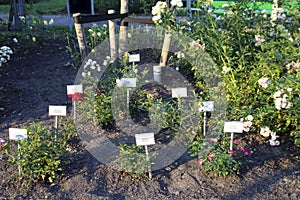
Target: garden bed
(37,77)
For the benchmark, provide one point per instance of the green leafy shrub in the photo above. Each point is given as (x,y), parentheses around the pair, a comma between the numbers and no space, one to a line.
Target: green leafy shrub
(258,57)
(40,157)
(132,159)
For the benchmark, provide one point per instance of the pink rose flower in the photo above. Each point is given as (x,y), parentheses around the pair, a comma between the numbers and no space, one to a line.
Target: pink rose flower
(232,152)
(236,141)
(211,156)
(200,161)
(1,141)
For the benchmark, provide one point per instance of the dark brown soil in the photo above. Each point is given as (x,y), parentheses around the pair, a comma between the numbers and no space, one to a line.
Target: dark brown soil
(37,76)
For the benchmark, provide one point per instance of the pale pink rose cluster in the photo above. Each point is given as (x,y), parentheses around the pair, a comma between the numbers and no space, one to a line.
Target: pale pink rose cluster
(259,39)
(247,123)
(264,82)
(293,66)
(281,98)
(177,3)
(265,131)
(157,11)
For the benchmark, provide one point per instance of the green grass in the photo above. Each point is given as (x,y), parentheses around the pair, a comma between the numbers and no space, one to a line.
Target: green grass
(261,5)
(43,7)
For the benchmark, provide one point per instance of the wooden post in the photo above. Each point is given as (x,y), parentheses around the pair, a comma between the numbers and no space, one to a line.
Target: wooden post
(123,28)
(165,50)
(16,15)
(112,37)
(80,37)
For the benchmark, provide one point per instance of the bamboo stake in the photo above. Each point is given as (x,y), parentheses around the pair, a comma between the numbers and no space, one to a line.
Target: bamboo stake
(112,37)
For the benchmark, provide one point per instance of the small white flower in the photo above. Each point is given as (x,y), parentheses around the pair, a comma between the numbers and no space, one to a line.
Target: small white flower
(225,5)
(226,69)
(83,74)
(93,67)
(119,83)
(98,69)
(278,94)
(265,131)
(156,18)
(177,68)
(180,54)
(104,63)
(51,21)
(15,40)
(249,118)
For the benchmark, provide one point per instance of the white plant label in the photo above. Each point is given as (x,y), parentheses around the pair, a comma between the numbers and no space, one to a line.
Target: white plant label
(134,58)
(144,139)
(128,82)
(234,127)
(57,110)
(206,106)
(71,89)
(17,134)
(179,92)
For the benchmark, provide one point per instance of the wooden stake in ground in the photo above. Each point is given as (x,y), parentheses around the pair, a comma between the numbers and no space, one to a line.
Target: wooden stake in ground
(165,50)
(80,37)
(123,28)
(112,37)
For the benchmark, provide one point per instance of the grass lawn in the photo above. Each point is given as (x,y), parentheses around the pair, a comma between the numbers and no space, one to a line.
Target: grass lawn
(43,7)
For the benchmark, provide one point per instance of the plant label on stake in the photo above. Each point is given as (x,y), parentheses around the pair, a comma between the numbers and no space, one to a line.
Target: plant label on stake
(179,92)
(233,127)
(72,90)
(134,58)
(18,134)
(206,106)
(57,111)
(144,139)
(129,83)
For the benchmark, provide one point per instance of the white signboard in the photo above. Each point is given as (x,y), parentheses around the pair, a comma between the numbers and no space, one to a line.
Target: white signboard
(71,89)
(57,110)
(128,82)
(234,127)
(206,106)
(179,92)
(134,58)
(144,139)
(17,134)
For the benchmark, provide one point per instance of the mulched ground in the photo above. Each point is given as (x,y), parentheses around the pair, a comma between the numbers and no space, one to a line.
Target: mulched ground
(37,76)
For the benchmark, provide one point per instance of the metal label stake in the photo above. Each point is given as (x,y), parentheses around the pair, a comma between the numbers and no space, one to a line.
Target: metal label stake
(206,106)
(57,111)
(18,134)
(145,139)
(233,127)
